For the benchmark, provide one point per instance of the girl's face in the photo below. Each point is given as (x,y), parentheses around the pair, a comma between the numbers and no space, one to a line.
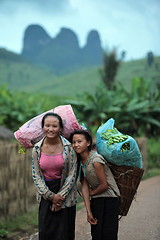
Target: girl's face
(51,127)
(79,143)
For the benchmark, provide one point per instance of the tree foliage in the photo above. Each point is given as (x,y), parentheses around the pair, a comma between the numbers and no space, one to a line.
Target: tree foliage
(17,108)
(150,59)
(136,112)
(111,64)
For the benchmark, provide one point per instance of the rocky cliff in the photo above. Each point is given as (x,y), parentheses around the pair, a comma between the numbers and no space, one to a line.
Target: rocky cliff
(62,53)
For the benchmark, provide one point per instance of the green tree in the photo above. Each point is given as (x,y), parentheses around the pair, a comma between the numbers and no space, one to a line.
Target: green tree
(16,108)
(136,112)
(109,71)
(150,59)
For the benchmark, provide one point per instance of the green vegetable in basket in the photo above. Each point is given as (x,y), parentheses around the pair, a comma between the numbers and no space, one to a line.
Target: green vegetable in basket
(112,136)
(126,146)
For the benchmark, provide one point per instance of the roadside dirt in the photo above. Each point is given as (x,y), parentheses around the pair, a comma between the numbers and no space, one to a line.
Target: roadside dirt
(142,221)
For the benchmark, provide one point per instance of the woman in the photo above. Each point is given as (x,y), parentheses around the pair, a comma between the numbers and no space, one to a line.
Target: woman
(54,170)
(98,184)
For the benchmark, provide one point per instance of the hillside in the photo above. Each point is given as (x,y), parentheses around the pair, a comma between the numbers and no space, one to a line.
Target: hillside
(138,68)
(22,76)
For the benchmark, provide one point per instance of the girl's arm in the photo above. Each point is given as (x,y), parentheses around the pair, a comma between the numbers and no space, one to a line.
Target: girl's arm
(86,197)
(103,184)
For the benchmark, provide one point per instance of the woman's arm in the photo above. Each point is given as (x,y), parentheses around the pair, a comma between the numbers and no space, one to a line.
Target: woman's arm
(71,173)
(103,184)
(86,197)
(40,183)
(38,176)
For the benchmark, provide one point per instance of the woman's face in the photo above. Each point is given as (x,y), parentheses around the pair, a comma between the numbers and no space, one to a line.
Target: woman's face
(79,143)
(51,127)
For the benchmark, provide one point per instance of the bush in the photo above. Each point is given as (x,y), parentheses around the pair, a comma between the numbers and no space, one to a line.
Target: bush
(153,153)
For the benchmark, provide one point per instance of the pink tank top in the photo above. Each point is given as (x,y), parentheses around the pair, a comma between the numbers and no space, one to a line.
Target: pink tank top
(51,165)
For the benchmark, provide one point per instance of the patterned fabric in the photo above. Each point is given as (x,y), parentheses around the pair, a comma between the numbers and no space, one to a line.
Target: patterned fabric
(68,188)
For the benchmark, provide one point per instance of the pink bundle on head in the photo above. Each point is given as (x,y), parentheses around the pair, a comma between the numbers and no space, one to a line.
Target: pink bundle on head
(31,132)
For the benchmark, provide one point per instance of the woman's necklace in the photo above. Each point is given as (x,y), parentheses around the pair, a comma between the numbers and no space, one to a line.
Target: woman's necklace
(51,148)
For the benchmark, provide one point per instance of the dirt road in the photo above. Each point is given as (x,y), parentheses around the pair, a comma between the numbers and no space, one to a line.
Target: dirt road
(142,221)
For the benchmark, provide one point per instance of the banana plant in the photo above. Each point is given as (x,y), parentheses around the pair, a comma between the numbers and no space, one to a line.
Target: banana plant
(136,112)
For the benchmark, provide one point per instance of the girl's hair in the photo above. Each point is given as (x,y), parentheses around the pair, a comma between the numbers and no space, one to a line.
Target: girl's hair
(54,115)
(85,133)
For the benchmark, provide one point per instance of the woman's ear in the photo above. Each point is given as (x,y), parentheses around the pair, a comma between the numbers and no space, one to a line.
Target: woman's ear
(60,131)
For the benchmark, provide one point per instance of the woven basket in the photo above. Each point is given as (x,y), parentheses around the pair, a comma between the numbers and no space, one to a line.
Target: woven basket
(128,179)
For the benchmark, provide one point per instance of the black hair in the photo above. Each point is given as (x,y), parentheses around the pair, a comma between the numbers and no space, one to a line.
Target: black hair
(54,115)
(85,133)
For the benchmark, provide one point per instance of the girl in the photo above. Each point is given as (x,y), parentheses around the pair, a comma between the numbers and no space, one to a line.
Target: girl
(99,188)
(54,170)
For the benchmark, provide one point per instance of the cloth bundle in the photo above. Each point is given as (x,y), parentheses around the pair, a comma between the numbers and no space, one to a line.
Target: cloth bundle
(117,148)
(31,132)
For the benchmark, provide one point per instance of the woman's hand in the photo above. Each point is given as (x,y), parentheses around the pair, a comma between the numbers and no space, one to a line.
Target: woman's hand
(55,207)
(58,199)
(91,219)
(57,202)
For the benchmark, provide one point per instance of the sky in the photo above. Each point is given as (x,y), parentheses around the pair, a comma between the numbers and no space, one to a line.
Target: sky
(129,25)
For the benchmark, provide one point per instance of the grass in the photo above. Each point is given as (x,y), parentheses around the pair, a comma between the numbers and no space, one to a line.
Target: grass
(22,223)
(151,173)
(80,203)
(26,223)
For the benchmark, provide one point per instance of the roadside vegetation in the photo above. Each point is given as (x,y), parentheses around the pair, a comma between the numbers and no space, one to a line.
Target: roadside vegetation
(131,98)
